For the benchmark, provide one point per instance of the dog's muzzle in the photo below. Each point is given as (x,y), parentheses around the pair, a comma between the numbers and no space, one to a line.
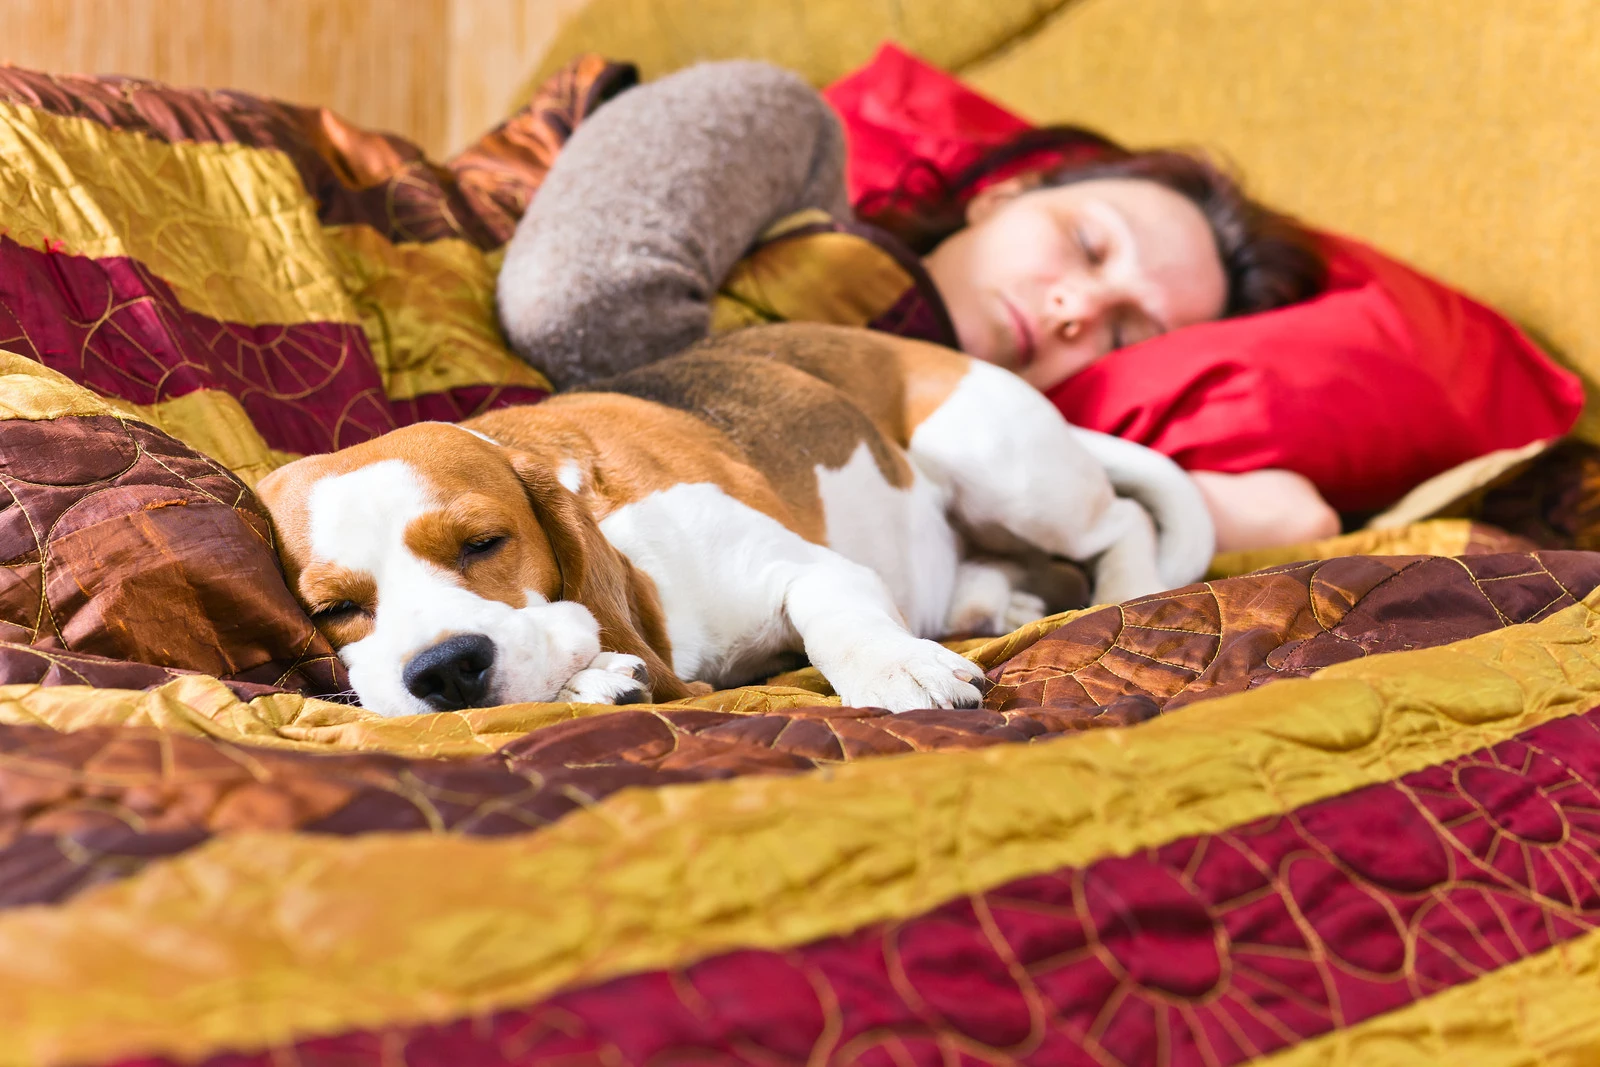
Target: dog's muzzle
(453,674)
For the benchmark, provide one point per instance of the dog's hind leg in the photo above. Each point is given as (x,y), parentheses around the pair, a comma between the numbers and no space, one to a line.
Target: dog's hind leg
(991,598)
(1014,469)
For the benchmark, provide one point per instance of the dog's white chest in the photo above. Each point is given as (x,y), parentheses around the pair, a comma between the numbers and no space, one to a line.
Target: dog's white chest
(902,534)
(722,569)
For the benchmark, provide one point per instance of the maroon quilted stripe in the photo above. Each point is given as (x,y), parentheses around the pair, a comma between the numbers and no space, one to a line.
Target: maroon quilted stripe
(114,326)
(83,808)
(22,664)
(456,404)
(1208,951)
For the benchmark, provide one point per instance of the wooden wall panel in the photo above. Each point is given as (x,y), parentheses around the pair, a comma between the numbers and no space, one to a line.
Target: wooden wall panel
(495,46)
(382,63)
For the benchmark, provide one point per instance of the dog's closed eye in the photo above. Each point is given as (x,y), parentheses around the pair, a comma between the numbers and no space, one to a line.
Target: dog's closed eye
(336,611)
(480,547)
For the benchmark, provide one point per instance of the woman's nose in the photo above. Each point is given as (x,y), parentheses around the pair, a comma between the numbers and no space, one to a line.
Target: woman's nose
(1077,305)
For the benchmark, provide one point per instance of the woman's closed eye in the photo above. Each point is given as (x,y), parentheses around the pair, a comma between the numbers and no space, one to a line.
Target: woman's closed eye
(1093,249)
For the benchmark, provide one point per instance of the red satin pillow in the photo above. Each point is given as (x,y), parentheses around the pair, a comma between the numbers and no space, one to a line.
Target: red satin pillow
(1384,380)
(898,111)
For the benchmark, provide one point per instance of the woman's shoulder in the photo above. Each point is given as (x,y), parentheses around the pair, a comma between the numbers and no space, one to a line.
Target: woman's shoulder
(733,102)
(651,202)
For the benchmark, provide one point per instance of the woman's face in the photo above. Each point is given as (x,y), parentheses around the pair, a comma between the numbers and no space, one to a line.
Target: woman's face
(1045,281)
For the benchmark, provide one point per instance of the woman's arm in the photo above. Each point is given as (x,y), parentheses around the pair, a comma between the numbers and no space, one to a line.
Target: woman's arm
(649,206)
(1265,509)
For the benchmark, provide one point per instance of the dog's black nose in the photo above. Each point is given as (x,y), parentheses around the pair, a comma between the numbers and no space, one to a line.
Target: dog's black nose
(453,674)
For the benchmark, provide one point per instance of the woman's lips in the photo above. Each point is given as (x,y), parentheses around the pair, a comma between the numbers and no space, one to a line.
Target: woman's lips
(1021,332)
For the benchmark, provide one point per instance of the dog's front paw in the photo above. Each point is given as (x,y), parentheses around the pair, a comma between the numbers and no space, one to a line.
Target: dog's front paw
(908,673)
(610,678)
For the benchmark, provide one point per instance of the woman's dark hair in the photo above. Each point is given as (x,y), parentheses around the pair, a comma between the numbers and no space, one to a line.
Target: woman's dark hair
(1269,259)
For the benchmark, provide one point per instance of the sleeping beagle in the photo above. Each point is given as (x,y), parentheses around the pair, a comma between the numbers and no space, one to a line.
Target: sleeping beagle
(793,488)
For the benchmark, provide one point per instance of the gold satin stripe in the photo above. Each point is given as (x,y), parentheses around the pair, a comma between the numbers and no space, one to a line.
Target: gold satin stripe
(1435,537)
(211,422)
(992,652)
(230,228)
(1453,491)
(199,705)
(1541,1010)
(321,934)
(820,277)
(29,390)
(428,311)
(811,216)
(203,706)
(214,424)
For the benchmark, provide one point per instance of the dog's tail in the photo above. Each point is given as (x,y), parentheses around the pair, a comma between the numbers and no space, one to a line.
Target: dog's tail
(1186,539)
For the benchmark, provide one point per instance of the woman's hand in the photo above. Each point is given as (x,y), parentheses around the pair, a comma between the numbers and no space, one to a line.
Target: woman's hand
(1265,509)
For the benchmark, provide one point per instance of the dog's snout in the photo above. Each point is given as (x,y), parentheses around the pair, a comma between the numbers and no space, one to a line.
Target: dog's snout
(452,674)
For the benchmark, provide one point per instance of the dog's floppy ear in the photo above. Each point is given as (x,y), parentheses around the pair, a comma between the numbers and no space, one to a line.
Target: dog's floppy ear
(594,574)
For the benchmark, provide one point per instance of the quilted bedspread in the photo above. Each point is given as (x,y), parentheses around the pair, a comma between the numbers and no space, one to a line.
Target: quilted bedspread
(1339,807)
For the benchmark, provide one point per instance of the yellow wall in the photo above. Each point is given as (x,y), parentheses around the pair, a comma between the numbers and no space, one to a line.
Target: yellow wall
(494,44)
(438,71)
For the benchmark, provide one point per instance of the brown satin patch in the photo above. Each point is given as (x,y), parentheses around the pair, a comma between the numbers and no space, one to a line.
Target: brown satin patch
(500,171)
(1221,637)
(80,809)
(117,541)
(30,665)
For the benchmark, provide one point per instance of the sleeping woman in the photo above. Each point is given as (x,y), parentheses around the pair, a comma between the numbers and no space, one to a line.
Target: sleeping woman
(660,192)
